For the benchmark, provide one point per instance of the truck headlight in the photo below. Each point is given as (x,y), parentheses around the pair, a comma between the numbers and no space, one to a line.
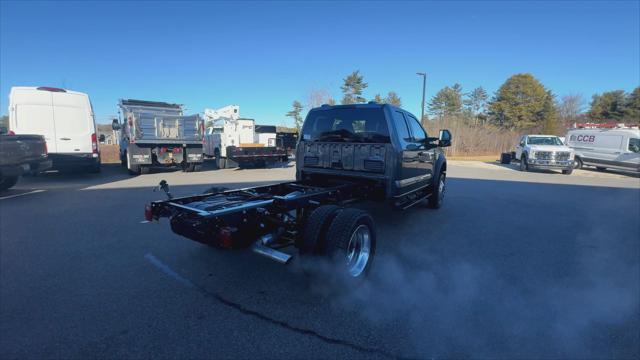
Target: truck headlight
(532,154)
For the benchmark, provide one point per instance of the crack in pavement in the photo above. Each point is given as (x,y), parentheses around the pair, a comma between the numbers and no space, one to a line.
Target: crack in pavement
(243,310)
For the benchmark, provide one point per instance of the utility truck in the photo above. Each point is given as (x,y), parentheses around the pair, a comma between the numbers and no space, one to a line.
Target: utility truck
(233,140)
(346,154)
(158,134)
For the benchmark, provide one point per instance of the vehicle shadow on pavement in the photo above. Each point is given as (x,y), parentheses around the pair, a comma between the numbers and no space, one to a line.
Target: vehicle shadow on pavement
(503,269)
(587,169)
(516,167)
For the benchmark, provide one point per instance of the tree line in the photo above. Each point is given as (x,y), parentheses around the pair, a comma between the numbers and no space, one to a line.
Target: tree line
(521,102)
(352,89)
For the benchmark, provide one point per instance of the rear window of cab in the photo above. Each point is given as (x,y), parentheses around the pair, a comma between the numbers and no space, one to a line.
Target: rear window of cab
(346,125)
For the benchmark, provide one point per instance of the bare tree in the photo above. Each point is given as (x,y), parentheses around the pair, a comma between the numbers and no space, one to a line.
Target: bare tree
(318,97)
(570,107)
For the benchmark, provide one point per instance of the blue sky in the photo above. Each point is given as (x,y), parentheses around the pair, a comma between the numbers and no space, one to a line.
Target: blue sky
(264,55)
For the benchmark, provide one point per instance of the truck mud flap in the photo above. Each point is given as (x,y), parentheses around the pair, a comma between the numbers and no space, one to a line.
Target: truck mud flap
(139,155)
(194,155)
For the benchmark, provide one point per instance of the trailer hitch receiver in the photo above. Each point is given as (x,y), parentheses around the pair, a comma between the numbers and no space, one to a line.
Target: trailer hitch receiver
(164,186)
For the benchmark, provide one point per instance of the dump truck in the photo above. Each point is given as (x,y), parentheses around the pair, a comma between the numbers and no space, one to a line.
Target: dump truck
(158,134)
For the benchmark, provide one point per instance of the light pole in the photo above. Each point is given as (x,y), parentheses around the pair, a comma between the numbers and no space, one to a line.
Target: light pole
(424,88)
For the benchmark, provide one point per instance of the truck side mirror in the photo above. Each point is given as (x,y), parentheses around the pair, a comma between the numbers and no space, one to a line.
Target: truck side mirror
(115,125)
(444,139)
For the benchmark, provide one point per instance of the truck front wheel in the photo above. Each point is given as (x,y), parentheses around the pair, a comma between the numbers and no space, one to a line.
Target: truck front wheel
(351,242)
(577,163)
(437,195)
(523,163)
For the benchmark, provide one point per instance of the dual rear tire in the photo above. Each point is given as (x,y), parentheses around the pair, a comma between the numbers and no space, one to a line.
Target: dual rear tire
(344,236)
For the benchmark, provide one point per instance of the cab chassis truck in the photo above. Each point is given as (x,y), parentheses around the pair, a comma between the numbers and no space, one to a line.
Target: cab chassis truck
(346,154)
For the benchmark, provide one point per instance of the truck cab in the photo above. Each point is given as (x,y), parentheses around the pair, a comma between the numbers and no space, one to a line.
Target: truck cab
(379,145)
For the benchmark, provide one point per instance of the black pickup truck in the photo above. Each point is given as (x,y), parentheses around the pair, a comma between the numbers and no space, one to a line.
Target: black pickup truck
(345,154)
(21,154)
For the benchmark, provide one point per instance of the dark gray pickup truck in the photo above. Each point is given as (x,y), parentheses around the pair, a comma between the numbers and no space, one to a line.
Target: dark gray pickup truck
(21,154)
(345,154)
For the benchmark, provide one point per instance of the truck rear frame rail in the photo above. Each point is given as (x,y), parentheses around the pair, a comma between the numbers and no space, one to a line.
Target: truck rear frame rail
(268,218)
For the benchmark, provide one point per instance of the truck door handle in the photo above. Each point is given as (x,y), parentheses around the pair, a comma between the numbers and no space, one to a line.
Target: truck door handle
(65,139)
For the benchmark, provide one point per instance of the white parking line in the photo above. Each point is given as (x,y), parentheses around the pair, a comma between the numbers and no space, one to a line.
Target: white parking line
(167,270)
(27,193)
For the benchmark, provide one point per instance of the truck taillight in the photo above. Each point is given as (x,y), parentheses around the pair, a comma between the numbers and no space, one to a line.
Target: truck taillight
(94,143)
(148,214)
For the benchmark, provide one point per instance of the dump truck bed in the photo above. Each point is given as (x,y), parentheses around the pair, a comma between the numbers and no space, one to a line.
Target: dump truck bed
(154,122)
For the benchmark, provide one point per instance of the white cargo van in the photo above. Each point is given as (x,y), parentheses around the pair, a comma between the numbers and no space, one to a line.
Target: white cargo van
(66,120)
(617,148)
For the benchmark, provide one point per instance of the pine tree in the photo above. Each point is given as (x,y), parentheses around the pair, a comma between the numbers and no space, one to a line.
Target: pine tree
(476,102)
(632,107)
(520,103)
(608,106)
(352,88)
(295,113)
(393,99)
(550,122)
(447,101)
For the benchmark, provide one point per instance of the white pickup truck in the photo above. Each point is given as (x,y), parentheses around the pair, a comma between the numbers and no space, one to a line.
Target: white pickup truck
(544,152)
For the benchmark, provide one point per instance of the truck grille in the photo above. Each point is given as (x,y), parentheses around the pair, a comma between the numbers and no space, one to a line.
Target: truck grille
(562,155)
(543,155)
(552,155)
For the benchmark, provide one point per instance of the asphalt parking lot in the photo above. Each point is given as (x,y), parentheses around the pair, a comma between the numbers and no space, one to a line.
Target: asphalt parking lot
(515,265)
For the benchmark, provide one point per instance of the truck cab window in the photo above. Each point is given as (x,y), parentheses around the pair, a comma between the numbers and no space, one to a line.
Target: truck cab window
(419,135)
(401,126)
(634,145)
(346,125)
